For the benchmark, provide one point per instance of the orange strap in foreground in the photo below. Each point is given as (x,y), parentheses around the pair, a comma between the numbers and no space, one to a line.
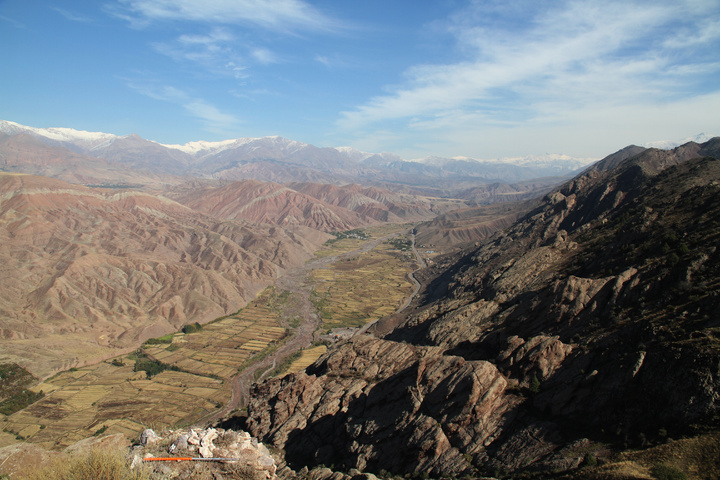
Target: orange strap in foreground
(168,459)
(189,459)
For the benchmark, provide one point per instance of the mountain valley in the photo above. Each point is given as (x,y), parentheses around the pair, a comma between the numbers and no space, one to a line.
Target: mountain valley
(564,322)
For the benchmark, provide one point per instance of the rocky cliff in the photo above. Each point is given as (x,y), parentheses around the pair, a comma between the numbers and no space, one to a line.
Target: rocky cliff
(590,321)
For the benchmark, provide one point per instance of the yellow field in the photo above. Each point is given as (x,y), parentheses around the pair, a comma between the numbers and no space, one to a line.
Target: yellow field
(224,345)
(115,399)
(306,359)
(359,290)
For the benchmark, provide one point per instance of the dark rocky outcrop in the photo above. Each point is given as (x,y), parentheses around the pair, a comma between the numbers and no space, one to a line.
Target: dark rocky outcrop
(591,319)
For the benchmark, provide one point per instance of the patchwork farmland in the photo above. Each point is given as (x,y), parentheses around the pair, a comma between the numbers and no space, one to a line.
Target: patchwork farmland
(220,347)
(111,397)
(107,398)
(361,289)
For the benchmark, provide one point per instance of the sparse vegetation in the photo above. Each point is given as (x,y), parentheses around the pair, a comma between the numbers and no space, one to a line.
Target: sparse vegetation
(94,465)
(664,472)
(14,393)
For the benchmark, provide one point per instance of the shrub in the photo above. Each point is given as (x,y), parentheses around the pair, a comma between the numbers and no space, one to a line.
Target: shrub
(152,367)
(664,472)
(534,385)
(192,327)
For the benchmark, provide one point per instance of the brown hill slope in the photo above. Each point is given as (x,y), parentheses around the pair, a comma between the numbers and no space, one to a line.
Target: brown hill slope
(515,192)
(378,203)
(590,323)
(88,271)
(267,202)
(465,226)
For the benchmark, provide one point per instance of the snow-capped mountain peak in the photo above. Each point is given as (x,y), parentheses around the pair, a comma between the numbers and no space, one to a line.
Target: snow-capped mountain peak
(203,148)
(81,138)
(669,145)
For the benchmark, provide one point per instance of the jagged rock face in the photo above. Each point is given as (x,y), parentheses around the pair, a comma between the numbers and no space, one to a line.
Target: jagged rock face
(89,272)
(594,316)
(378,404)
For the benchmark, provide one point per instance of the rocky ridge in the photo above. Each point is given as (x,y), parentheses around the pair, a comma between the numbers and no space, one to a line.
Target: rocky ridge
(590,321)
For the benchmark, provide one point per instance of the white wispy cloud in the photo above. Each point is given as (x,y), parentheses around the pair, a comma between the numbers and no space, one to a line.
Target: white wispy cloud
(280,15)
(73,17)
(570,57)
(213,118)
(264,55)
(323,59)
(214,51)
(224,48)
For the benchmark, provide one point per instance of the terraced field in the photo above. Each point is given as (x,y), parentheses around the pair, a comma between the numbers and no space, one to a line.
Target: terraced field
(353,287)
(111,397)
(223,346)
(106,398)
(358,290)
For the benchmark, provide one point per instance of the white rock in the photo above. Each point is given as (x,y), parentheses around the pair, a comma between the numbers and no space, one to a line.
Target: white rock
(207,439)
(148,437)
(136,462)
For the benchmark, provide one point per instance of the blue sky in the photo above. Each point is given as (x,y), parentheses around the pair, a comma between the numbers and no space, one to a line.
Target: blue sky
(484,79)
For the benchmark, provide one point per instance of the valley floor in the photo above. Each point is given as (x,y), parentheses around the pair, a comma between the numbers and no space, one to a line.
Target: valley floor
(204,376)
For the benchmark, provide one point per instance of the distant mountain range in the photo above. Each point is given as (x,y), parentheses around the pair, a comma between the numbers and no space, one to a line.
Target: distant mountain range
(269,159)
